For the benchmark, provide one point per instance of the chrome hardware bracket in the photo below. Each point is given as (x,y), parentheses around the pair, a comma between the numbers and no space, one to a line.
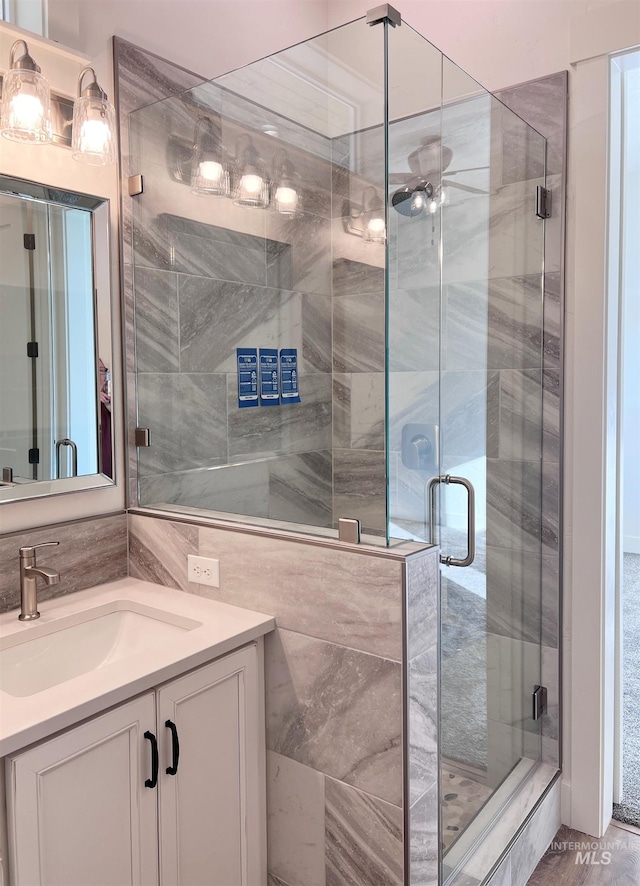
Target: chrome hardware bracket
(74,456)
(431,520)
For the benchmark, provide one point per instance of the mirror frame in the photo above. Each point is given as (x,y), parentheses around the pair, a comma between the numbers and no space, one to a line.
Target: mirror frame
(103,326)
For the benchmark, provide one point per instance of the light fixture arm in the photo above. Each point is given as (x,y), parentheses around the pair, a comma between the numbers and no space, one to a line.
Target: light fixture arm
(93,90)
(23,62)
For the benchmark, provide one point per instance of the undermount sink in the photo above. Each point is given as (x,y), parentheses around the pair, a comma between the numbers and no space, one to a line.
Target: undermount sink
(51,654)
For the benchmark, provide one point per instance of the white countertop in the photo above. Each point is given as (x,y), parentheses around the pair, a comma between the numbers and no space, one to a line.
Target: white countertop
(222,628)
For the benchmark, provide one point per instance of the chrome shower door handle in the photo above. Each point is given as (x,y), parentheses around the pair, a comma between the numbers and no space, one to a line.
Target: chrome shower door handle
(74,456)
(449,479)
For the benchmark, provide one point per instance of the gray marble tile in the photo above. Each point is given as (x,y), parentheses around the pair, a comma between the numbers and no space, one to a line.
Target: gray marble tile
(502,876)
(216,317)
(550,677)
(465,327)
(295,822)
(242,261)
(284,429)
(187,417)
(309,240)
(515,323)
(520,414)
(272,880)
(356,278)
(156,320)
(358,410)
(144,77)
(415,251)
(550,507)
(342,596)
(554,226)
(551,752)
(413,397)
(423,725)
(358,333)
(464,413)
(543,104)
(536,837)
(414,329)
(92,551)
(513,593)
(522,149)
(359,485)
(337,710)
(422,580)
(236,489)
(550,599)
(423,834)
(517,237)
(364,838)
(129,347)
(513,505)
(300,488)
(158,550)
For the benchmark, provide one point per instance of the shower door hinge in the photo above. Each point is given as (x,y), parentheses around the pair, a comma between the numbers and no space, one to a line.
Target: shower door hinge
(543,202)
(34,456)
(384,13)
(32,349)
(29,241)
(142,437)
(136,185)
(539,702)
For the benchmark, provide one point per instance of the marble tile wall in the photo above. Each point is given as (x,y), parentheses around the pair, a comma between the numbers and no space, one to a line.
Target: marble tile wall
(91,551)
(209,277)
(543,104)
(335,691)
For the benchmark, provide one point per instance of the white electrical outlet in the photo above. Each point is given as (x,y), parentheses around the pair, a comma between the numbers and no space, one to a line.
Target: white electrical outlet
(203,571)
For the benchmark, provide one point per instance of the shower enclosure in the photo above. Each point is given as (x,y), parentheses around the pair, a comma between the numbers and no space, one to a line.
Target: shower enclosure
(338,275)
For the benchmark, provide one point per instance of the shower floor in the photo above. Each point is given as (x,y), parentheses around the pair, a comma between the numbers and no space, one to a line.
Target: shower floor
(462,799)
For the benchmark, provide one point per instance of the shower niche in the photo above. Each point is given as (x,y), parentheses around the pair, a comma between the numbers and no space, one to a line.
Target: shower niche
(338,313)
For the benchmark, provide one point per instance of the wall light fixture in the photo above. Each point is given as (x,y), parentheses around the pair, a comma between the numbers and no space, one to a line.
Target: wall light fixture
(93,135)
(26,100)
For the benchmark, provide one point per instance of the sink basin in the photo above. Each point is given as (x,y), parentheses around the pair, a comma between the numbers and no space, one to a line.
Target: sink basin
(93,649)
(39,659)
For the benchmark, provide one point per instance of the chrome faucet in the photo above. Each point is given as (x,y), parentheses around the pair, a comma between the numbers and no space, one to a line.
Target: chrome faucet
(29,573)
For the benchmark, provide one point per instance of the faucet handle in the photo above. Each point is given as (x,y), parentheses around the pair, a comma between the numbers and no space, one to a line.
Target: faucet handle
(29,550)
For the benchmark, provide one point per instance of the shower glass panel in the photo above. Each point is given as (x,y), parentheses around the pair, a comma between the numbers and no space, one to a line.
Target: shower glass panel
(465,269)
(358,210)
(222,278)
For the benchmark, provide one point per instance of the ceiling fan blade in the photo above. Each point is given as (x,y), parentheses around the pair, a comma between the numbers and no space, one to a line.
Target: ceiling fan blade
(467,188)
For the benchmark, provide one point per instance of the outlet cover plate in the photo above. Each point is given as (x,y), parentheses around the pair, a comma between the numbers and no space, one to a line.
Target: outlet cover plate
(203,570)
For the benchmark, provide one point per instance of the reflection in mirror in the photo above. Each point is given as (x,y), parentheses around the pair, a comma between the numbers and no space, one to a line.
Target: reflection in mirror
(55,364)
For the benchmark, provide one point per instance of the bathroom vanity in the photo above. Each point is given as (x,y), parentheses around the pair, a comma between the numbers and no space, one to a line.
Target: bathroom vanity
(148,767)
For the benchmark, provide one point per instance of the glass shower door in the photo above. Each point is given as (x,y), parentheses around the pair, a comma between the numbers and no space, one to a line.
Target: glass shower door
(487,496)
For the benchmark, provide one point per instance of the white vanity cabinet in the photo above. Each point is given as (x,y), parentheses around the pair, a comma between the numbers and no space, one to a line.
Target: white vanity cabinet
(166,788)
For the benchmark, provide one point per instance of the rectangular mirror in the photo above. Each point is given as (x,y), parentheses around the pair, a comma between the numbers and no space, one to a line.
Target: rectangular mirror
(56,429)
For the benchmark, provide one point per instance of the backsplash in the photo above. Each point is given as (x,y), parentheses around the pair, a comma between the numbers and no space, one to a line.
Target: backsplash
(92,551)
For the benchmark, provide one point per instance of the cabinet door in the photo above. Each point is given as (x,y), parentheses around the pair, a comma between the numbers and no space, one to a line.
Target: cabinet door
(210,810)
(79,811)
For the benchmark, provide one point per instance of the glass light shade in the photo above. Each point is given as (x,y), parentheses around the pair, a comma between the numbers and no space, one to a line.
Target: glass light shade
(375,230)
(93,137)
(26,107)
(251,190)
(210,178)
(286,200)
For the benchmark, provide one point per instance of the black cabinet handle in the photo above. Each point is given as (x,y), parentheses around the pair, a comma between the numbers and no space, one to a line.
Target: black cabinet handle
(153,781)
(175,748)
